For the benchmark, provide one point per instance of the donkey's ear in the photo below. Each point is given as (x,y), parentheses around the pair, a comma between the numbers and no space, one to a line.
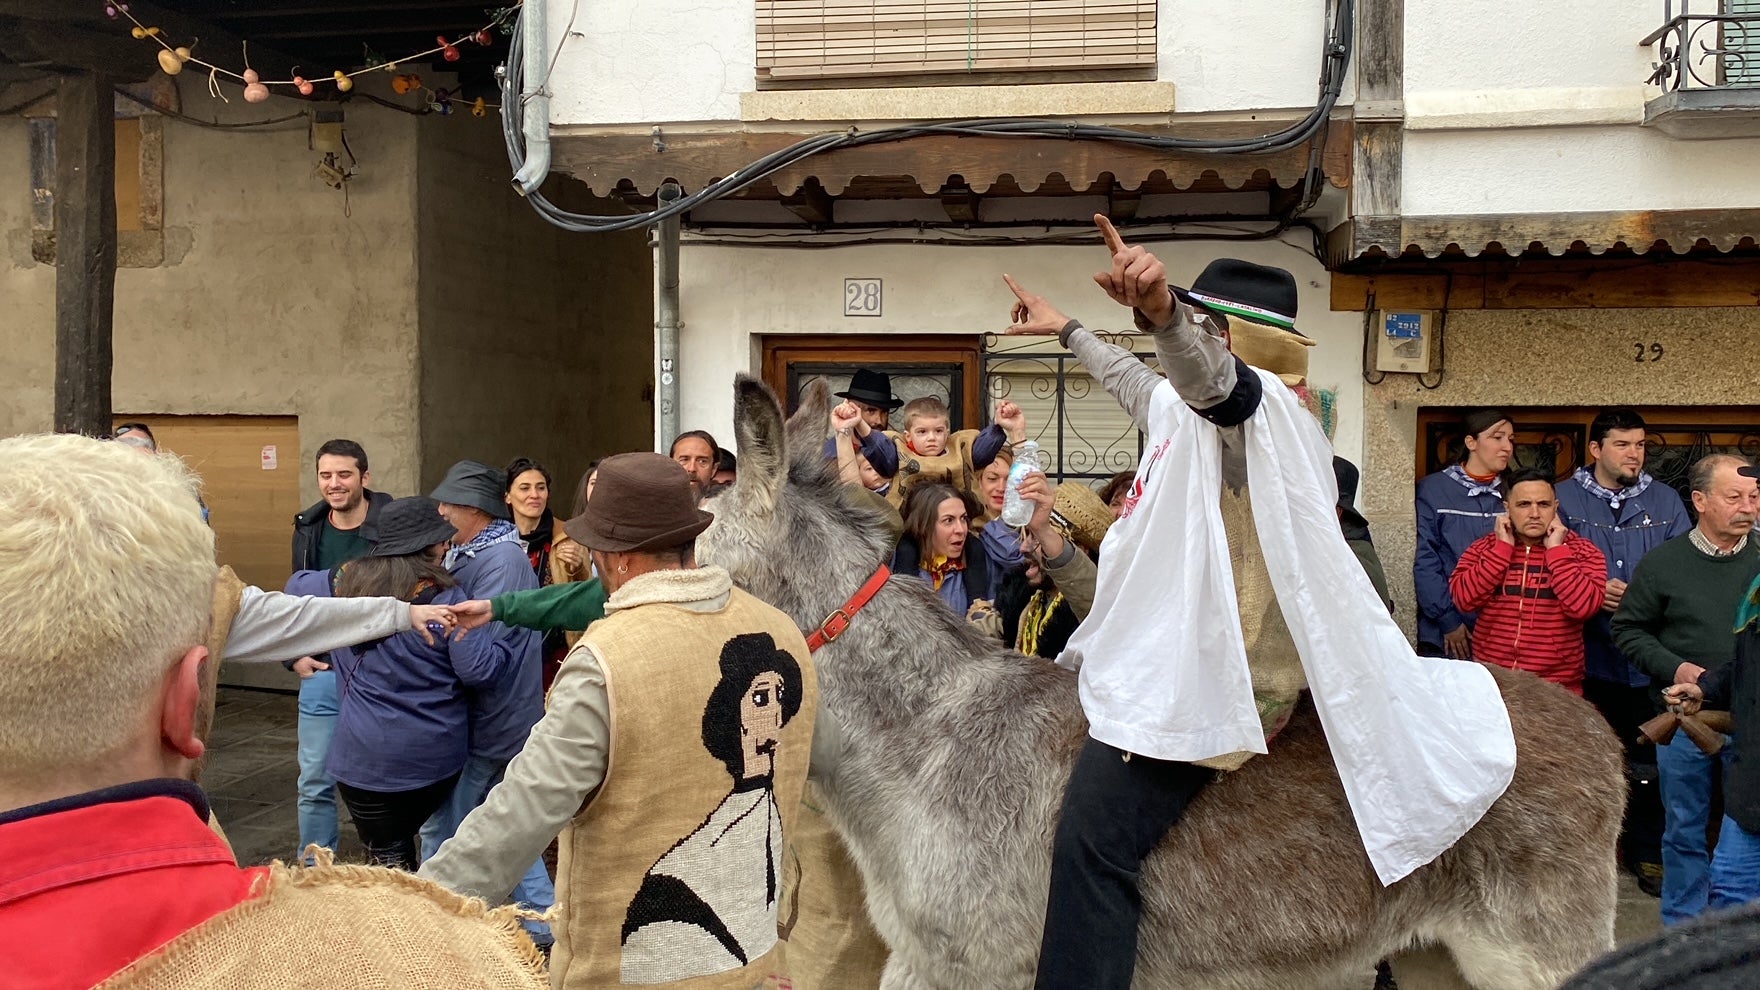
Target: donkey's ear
(810,424)
(757,425)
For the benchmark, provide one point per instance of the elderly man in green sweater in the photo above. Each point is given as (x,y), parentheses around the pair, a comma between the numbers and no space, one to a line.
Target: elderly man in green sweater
(1677,622)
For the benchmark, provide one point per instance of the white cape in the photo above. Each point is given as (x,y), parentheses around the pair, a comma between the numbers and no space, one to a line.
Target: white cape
(1422,745)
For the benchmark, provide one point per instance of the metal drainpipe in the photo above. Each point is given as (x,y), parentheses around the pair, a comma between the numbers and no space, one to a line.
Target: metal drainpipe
(536,109)
(666,322)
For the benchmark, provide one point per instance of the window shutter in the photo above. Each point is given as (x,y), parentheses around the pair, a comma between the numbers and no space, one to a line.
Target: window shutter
(824,39)
(1741,44)
(1081,430)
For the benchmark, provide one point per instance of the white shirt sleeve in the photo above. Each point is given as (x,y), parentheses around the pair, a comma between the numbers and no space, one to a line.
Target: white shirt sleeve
(271,626)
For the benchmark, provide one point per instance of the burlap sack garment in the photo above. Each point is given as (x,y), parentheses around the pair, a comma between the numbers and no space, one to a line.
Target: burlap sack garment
(355,926)
(674,870)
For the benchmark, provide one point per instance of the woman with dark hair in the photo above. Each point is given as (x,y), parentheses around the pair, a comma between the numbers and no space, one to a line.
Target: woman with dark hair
(937,547)
(1116,489)
(552,554)
(401,728)
(1456,507)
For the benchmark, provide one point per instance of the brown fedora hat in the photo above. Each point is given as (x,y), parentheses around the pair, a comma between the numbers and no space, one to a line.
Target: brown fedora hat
(641,502)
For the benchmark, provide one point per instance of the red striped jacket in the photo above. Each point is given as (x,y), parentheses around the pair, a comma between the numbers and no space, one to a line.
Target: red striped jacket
(1532,603)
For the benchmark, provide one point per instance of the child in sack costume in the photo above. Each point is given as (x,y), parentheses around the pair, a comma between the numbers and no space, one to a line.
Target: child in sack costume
(1218,599)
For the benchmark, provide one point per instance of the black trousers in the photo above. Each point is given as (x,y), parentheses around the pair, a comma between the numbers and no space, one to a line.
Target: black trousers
(1625,708)
(388,821)
(1116,810)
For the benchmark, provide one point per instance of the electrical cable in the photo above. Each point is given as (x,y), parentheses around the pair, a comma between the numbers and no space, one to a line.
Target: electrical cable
(212,124)
(1334,62)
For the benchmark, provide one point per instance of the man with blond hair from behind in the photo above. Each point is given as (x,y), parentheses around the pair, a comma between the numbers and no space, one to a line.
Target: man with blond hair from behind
(109,872)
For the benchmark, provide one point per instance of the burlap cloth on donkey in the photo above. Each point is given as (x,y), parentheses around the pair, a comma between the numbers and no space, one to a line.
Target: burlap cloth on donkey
(829,943)
(354,926)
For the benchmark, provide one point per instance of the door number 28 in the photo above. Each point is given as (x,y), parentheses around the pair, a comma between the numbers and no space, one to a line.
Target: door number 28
(861,297)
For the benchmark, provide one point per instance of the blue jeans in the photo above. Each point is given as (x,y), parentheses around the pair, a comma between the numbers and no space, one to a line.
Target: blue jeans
(1686,775)
(536,891)
(317,791)
(1735,870)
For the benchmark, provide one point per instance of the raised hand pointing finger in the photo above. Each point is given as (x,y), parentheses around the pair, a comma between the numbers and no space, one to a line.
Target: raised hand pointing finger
(1032,314)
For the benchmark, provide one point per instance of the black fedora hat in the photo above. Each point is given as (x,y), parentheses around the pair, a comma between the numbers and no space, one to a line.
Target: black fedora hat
(872,387)
(410,525)
(1243,290)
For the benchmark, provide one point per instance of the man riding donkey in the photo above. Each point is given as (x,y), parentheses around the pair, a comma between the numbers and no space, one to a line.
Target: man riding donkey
(1224,591)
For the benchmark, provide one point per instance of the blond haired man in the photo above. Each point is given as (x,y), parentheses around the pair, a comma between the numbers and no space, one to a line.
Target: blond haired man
(109,873)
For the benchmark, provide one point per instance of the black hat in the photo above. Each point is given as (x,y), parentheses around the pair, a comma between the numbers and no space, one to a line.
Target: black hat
(1748,471)
(475,484)
(872,387)
(1347,476)
(410,525)
(1246,291)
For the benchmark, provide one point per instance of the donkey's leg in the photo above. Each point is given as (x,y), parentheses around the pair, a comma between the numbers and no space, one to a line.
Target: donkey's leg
(1526,951)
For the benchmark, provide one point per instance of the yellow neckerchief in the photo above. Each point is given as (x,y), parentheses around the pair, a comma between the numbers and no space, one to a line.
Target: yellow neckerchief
(940,568)
(1035,617)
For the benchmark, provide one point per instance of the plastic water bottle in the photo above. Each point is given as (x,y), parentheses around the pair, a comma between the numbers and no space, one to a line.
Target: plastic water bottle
(1017,511)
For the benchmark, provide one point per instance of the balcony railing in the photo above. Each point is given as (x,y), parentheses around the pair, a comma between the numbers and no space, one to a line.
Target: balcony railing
(1710,50)
(1707,65)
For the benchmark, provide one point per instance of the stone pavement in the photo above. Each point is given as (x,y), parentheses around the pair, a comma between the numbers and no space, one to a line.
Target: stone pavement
(253,772)
(253,769)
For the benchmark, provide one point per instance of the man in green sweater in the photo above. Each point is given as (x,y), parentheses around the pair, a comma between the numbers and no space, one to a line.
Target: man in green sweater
(572,606)
(1676,622)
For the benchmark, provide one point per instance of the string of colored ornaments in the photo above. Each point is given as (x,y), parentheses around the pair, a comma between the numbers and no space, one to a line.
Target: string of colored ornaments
(172,60)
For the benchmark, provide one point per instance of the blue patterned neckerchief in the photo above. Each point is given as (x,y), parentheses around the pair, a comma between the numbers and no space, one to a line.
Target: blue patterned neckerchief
(1473,486)
(1586,478)
(499,531)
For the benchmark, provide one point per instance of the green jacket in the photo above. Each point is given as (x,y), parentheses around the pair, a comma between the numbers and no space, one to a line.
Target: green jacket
(573,606)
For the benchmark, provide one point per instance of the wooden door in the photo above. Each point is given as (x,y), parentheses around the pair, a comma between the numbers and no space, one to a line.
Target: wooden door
(250,468)
(1556,438)
(947,366)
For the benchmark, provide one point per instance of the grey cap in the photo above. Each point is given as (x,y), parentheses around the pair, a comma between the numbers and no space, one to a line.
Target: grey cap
(475,484)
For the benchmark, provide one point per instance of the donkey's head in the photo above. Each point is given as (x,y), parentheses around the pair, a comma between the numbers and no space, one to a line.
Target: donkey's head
(788,531)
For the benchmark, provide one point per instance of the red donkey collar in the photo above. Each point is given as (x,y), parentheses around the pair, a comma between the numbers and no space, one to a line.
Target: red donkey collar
(838,621)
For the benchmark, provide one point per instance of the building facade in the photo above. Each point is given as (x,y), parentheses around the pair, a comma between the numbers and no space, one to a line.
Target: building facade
(1559,200)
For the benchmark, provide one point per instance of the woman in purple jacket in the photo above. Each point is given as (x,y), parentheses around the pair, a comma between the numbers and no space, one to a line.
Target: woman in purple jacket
(402,728)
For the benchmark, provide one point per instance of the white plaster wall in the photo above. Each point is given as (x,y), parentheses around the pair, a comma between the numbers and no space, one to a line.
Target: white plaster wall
(1521,44)
(730,295)
(660,61)
(1574,169)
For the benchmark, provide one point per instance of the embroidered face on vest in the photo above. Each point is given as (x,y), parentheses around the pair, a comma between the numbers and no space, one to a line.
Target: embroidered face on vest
(687,920)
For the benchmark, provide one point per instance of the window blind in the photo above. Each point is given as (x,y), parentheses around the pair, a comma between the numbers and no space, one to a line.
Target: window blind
(808,39)
(1741,44)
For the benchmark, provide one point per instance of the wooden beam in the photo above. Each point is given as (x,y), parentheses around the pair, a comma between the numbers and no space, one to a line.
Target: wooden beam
(960,202)
(1121,203)
(810,202)
(85,251)
(1563,284)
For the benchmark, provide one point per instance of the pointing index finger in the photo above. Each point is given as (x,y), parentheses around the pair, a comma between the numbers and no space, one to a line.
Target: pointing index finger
(1019,293)
(1114,243)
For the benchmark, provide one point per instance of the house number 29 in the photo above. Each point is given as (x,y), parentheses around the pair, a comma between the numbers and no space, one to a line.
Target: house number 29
(861,297)
(1646,353)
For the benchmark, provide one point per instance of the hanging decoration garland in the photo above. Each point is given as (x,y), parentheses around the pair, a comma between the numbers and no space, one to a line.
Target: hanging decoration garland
(172,60)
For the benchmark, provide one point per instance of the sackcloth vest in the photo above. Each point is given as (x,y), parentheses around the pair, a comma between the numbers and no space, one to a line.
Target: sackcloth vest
(1272,660)
(952,467)
(228,593)
(361,926)
(673,872)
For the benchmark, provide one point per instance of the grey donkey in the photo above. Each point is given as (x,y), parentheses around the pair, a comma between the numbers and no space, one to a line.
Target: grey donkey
(957,752)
